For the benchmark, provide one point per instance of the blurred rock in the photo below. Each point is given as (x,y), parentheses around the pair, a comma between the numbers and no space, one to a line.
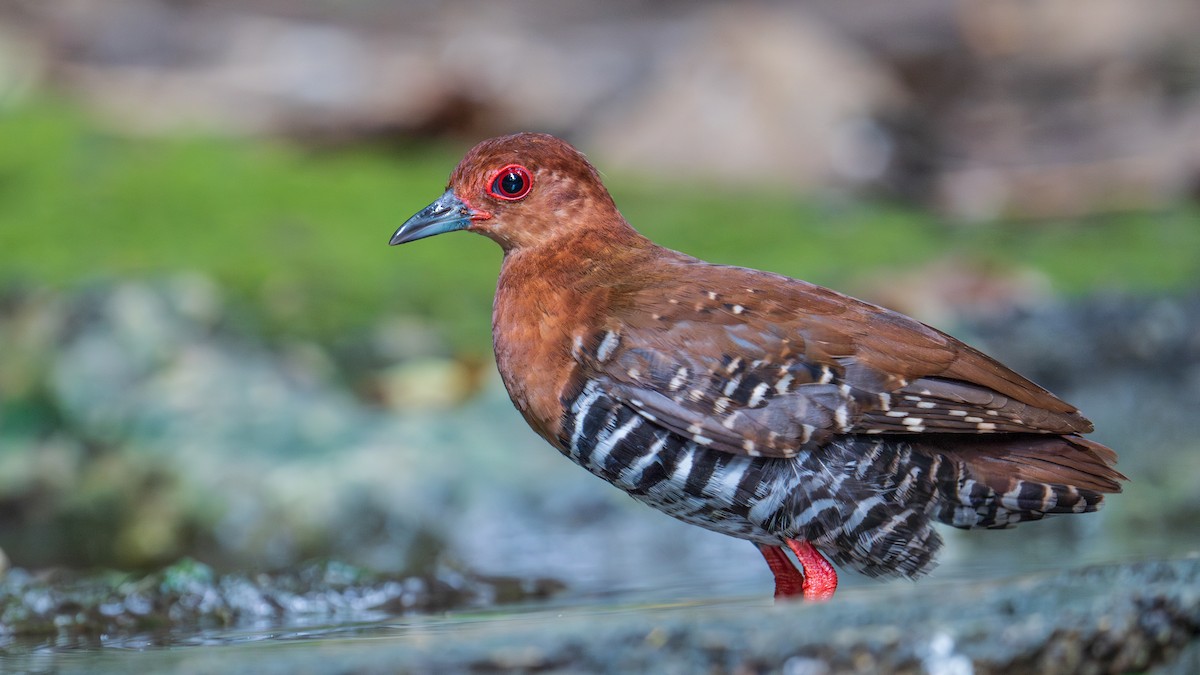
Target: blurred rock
(742,93)
(956,288)
(654,93)
(138,423)
(400,338)
(22,62)
(322,74)
(135,427)
(980,108)
(428,383)
(1051,109)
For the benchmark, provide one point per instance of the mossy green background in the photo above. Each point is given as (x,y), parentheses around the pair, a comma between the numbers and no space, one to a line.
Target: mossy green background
(299,235)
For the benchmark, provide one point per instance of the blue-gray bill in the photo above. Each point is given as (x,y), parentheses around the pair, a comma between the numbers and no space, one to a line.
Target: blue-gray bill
(446,214)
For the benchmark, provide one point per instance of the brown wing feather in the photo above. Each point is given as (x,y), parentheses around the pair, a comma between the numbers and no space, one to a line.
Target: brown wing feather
(752,362)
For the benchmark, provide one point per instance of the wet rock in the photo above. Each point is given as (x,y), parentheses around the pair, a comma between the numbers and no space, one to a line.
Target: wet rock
(1099,619)
(190,596)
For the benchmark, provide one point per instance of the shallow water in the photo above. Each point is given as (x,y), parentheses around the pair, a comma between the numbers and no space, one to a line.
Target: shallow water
(379,643)
(359,645)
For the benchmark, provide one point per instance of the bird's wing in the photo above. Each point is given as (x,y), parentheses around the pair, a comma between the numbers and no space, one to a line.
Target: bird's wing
(760,364)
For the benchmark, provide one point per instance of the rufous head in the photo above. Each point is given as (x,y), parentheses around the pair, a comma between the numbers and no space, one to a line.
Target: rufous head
(521,190)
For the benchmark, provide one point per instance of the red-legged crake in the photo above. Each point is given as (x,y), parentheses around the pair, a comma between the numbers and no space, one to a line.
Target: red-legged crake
(749,403)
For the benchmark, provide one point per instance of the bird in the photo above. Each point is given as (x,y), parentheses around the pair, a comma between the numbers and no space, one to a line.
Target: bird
(746,402)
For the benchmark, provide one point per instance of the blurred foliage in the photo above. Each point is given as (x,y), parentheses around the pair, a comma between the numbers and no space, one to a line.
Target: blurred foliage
(300,234)
(837,243)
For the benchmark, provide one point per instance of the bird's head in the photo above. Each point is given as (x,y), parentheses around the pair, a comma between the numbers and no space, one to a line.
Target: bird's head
(522,190)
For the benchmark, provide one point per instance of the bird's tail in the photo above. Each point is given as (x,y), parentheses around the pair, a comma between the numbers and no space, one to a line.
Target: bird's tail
(999,481)
(986,481)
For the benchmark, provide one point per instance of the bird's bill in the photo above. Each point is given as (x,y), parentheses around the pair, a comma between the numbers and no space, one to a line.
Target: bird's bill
(446,214)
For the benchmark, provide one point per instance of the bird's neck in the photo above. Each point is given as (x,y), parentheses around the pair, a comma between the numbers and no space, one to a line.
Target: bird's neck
(548,293)
(577,261)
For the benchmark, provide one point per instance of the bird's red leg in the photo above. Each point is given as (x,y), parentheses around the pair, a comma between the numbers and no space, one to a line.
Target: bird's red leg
(789,582)
(820,579)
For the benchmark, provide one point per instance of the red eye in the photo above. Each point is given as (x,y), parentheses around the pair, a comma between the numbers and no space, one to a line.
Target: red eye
(511,183)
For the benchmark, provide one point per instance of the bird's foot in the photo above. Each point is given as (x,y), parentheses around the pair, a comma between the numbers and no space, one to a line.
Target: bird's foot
(789,582)
(820,579)
(816,580)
